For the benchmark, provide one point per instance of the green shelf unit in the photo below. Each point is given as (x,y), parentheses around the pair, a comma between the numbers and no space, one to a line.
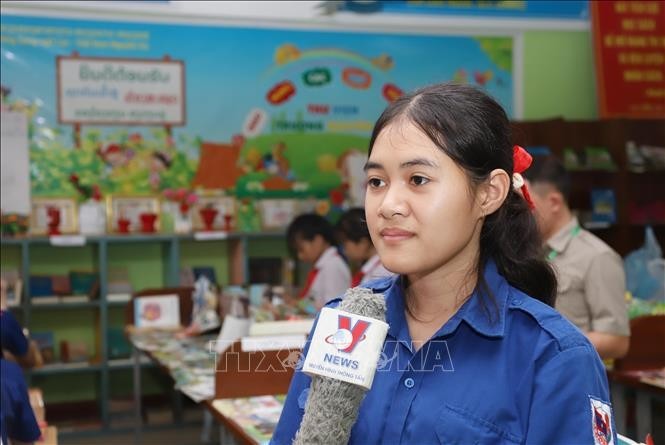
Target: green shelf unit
(151,261)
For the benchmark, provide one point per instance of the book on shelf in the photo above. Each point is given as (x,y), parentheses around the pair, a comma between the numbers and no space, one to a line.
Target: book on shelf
(118,283)
(74,299)
(73,351)
(59,299)
(84,283)
(118,346)
(603,206)
(46,344)
(118,297)
(38,300)
(40,286)
(61,285)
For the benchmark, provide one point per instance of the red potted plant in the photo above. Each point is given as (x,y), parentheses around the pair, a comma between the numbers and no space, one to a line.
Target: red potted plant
(208,215)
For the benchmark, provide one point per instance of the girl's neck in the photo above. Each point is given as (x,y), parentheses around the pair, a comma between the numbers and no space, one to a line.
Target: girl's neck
(440,293)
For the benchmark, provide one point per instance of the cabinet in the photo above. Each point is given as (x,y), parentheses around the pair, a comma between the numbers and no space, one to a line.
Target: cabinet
(633,190)
(152,261)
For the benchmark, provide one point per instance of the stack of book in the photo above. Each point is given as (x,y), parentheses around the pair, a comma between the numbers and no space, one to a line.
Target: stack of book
(119,288)
(76,287)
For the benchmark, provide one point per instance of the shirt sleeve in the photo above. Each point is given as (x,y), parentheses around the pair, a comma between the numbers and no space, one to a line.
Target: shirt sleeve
(11,335)
(570,401)
(605,289)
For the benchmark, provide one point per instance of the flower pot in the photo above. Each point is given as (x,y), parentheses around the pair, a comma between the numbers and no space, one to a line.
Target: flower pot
(208,217)
(148,222)
(53,214)
(227,222)
(123,225)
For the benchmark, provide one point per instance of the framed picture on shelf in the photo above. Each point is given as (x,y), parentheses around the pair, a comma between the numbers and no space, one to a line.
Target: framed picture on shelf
(214,212)
(132,214)
(276,214)
(53,216)
(157,311)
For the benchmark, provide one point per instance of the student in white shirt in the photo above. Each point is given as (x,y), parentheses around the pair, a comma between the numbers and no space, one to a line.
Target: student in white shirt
(311,238)
(354,236)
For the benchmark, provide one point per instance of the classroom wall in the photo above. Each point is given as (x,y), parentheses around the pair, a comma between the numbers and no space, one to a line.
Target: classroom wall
(558,71)
(558,78)
(559,75)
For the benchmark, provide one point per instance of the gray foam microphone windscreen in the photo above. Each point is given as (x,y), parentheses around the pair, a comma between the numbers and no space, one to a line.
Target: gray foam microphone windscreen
(332,405)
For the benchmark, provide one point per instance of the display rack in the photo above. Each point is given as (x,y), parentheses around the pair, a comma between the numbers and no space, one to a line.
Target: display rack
(234,248)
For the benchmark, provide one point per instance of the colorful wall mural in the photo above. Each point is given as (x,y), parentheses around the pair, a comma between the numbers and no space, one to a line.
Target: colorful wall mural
(139,108)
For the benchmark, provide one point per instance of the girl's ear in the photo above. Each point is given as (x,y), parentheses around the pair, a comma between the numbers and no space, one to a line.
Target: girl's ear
(494,191)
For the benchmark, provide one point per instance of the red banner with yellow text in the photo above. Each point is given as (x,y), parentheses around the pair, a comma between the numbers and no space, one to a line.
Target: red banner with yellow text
(629,46)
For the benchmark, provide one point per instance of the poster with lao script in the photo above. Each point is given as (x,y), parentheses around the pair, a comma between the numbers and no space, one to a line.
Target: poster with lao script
(261,113)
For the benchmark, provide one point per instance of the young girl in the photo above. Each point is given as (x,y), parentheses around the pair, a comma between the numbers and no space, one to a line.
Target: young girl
(358,247)
(311,238)
(474,352)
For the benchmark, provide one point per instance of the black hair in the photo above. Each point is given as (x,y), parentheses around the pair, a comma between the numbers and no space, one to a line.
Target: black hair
(352,226)
(306,227)
(547,169)
(473,130)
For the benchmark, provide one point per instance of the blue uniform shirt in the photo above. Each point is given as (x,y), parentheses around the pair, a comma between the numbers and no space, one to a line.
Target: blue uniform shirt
(11,335)
(514,372)
(17,419)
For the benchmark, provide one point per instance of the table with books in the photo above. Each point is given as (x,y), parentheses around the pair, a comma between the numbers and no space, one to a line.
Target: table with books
(245,400)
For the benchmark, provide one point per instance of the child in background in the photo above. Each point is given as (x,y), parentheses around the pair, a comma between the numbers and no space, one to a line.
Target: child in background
(354,236)
(312,239)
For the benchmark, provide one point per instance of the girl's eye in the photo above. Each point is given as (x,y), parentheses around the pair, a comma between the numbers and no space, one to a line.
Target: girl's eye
(419,180)
(375,182)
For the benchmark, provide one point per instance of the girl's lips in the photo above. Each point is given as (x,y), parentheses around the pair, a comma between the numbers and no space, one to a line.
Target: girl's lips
(395,234)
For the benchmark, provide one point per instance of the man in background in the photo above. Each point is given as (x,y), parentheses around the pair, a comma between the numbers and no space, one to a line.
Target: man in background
(591,280)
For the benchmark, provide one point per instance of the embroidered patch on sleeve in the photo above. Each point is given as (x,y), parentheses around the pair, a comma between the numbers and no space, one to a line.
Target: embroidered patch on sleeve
(601,422)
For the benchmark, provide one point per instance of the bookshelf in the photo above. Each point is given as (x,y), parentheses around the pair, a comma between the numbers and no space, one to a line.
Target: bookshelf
(153,261)
(633,190)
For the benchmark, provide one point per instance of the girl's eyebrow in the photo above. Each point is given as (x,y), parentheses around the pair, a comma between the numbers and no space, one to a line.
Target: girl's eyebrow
(370,165)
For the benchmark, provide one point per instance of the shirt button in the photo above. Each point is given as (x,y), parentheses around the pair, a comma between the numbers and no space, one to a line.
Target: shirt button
(409,382)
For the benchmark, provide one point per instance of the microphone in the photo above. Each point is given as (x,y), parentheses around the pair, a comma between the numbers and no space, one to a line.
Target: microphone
(342,360)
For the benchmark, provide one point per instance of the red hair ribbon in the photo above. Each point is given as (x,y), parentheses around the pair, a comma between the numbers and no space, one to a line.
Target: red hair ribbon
(521,161)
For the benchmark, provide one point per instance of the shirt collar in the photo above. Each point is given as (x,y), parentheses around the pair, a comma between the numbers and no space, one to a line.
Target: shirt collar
(484,314)
(325,256)
(479,312)
(559,242)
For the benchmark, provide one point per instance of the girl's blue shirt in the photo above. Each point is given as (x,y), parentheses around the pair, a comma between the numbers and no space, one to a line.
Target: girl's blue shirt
(509,371)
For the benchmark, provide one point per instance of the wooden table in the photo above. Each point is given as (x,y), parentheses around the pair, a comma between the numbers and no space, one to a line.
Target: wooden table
(646,390)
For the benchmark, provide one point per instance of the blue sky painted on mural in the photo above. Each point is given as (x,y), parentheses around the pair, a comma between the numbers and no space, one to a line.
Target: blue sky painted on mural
(229,70)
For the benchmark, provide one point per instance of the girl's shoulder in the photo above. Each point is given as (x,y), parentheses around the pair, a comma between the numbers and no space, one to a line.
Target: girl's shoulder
(537,315)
